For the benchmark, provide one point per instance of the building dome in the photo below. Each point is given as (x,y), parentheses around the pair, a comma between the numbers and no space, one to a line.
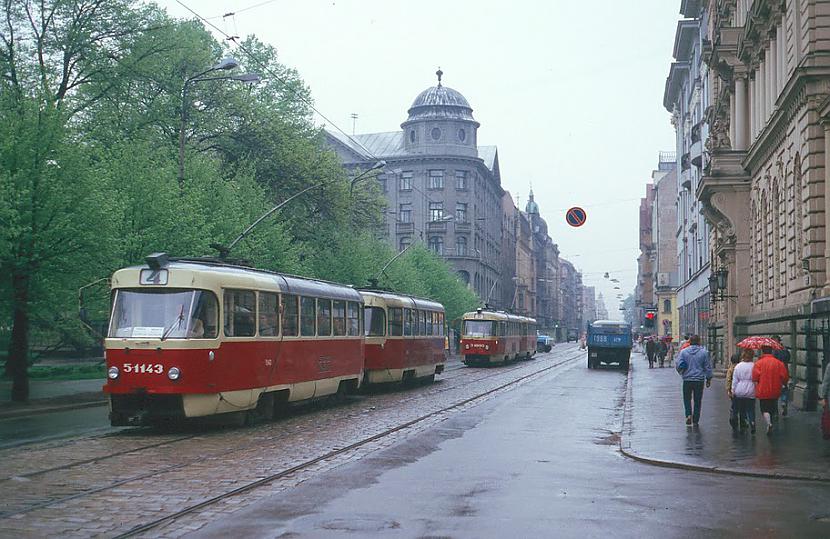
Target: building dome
(440,103)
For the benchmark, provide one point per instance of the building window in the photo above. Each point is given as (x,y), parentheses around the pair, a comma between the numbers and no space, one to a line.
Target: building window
(461,248)
(461,212)
(436,211)
(406,181)
(464,276)
(405,212)
(436,243)
(382,182)
(404,243)
(413,136)
(462,135)
(435,133)
(461,180)
(436,179)
(667,306)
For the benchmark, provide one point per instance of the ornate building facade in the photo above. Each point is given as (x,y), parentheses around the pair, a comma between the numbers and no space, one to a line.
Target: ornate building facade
(765,191)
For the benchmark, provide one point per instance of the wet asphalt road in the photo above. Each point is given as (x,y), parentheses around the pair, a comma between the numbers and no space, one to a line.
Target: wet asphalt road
(541,460)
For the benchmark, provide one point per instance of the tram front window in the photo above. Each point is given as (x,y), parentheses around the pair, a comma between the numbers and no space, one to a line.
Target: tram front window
(164,314)
(375,322)
(478,328)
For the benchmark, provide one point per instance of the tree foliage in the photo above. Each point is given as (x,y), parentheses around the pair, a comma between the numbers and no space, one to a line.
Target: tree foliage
(94,97)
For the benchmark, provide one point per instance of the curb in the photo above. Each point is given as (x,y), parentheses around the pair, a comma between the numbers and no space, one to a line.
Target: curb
(47,409)
(626,450)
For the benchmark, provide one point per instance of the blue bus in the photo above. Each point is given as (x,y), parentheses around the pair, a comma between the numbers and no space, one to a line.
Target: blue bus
(609,341)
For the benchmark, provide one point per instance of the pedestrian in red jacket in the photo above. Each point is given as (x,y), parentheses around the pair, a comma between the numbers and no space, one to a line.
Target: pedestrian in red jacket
(769,375)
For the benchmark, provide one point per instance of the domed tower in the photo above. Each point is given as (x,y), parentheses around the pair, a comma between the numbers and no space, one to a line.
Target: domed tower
(531,208)
(441,122)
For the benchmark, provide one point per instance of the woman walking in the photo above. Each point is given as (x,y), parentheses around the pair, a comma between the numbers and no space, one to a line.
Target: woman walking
(743,389)
(770,375)
(733,406)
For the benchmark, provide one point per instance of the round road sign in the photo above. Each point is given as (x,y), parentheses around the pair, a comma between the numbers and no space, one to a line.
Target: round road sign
(576,216)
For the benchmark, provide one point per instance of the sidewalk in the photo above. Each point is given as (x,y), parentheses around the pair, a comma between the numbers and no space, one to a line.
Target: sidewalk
(654,431)
(51,396)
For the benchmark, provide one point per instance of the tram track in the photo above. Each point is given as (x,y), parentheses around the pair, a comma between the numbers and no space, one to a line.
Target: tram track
(407,399)
(458,370)
(138,530)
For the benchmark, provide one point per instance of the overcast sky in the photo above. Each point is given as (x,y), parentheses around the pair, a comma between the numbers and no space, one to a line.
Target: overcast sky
(570,92)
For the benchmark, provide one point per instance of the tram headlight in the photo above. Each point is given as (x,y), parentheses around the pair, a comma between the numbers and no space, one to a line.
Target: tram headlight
(112,373)
(466,347)
(486,346)
(174,373)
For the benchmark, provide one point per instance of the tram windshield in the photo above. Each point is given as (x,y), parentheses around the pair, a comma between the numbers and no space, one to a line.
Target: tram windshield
(374,322)
(164,314)
(478,328)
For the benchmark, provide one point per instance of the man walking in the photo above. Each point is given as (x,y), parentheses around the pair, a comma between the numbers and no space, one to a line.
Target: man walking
(651,349)
(662,349)
(769,375)
(695,365)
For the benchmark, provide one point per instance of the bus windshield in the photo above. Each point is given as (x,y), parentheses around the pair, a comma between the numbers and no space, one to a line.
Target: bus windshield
(164,314)
(478,328)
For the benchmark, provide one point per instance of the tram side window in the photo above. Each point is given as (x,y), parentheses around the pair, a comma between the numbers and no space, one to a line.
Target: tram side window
(408,319)
(269,318)
(441,324)
(395,322)
(324,317)
(375,321)
(339,311)
(240,310)
(290,316)
(430,322)
(353,318)
(308,316)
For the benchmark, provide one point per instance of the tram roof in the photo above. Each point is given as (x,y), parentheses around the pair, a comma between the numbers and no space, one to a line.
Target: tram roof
(498,315)
(404,300)
(222,274)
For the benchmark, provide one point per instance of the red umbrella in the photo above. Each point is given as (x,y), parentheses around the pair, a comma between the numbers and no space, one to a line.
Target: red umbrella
(757,342)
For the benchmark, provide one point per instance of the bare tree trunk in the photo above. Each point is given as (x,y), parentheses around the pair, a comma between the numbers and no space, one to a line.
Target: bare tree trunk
(17,364)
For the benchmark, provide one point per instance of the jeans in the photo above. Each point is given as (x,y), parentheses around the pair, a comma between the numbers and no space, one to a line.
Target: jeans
(746,409)
(692,389)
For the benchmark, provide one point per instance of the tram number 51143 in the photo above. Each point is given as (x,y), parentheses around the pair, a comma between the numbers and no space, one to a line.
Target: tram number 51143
(144,368)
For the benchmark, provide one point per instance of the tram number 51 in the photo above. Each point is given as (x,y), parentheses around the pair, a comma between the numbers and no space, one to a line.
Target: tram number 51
(145,368)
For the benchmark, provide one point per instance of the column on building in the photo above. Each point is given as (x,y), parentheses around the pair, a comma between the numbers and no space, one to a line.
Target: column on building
(826,126)
(782,55)
(741,112)
(772,76)
(762,96)
(753,109)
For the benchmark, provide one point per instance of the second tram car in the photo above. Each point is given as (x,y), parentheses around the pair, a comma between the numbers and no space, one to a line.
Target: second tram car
(496,337)
(404,337)
(194,338)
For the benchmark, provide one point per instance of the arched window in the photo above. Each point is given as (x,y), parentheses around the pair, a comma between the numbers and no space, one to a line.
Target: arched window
(464,276)
(763,260)
(798,192)
(775,260)
(461,246)
(436,243)
(404,243)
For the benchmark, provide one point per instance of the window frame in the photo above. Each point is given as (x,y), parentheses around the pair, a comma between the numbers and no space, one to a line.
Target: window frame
(225,313)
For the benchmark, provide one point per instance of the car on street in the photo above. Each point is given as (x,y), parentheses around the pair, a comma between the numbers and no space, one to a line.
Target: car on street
(544,343)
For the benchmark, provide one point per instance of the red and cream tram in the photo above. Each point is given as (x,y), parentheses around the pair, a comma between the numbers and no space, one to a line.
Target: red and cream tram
(194,338)
(404,337)
(496,337)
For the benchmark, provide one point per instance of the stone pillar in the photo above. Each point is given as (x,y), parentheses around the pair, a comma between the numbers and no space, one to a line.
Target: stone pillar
(826,125)
(782,56)
(753,111)
(761,82)
(772,77)
(741,116)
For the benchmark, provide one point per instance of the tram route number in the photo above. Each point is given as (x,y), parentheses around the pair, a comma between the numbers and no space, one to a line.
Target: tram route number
(145,368)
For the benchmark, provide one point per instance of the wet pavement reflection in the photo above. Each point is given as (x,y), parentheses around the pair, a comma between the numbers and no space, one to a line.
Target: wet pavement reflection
(657,430)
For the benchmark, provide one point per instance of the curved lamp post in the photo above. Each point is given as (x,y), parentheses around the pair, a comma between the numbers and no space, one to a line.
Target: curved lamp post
(226,64)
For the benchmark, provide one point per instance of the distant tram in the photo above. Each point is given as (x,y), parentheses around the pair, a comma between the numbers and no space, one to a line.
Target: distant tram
(404,337)
(489,337)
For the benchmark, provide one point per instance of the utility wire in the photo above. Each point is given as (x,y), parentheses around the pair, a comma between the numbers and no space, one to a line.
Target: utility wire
(276,76)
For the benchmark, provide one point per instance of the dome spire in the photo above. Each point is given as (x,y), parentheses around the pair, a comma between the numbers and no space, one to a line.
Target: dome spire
(440,74)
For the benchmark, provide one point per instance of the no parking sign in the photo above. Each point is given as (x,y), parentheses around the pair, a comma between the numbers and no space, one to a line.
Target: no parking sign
(576,216)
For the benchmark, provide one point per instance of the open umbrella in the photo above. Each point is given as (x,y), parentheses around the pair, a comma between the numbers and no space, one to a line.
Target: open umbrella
(757,342)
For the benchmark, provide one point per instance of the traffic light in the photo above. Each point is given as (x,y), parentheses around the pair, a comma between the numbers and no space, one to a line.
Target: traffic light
(650,316)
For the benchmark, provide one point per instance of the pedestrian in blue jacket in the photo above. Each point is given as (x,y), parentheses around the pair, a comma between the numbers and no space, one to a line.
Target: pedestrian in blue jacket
(695,366)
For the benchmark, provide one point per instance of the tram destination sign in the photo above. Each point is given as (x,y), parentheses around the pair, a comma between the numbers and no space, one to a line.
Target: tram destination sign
(576,216)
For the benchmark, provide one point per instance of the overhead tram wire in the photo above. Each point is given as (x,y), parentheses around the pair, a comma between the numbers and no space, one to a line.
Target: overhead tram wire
(265,68)
(285,84)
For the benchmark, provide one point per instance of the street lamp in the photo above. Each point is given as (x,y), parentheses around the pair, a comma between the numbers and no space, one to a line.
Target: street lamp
(225,64)
(363,175)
